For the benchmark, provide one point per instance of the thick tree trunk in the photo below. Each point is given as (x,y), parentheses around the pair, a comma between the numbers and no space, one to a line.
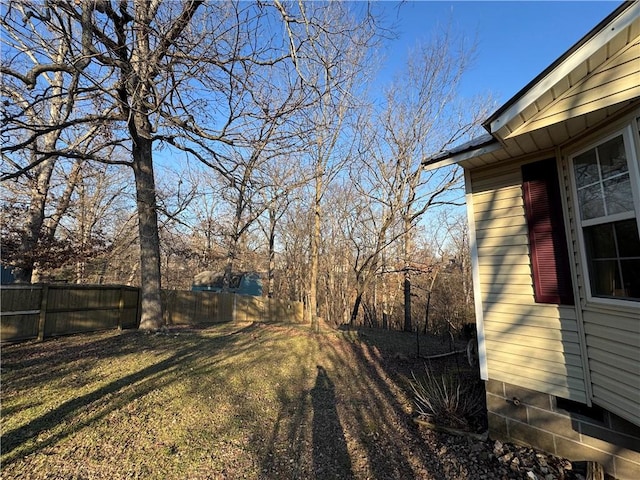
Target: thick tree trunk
(34,222)
(24,269)
(27,270)
(151,317)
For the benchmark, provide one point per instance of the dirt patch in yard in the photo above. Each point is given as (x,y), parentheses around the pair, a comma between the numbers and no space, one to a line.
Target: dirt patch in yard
(236,401)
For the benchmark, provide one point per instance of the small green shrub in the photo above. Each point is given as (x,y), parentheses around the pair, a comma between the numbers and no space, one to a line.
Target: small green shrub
(448,400)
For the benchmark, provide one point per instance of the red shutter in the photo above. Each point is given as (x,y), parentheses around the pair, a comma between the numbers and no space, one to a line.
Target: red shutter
(547,240)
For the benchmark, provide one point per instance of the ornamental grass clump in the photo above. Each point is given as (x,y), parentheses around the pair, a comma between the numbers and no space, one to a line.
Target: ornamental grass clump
(447,400)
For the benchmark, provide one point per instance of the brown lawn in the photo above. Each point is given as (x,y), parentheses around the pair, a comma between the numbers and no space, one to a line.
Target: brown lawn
(224,402)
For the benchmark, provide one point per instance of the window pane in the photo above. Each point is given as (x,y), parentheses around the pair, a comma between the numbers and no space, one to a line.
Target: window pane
(613,251)
(600,241)
(628,239)
(631,278)
(603,187)
(591,203)
(605,278)
(618,195)
(586,168)
(613,160)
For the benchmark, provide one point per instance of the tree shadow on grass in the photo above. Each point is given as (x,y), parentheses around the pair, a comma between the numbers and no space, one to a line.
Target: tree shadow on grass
(348,425)
(31,365)
(100,402)
(334,411)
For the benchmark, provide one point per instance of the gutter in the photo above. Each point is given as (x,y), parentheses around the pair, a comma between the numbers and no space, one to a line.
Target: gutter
(474,148)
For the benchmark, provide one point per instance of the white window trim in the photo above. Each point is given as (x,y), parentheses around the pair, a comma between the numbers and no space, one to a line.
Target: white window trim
(630,137)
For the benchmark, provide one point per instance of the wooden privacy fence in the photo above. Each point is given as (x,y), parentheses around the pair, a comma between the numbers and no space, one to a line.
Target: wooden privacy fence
(39,311)
(191,308)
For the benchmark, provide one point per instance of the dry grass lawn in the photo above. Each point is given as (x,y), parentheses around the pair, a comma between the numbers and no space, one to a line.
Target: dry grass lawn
(224,402)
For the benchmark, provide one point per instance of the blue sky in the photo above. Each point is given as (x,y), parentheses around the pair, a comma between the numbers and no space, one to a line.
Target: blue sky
(516,40)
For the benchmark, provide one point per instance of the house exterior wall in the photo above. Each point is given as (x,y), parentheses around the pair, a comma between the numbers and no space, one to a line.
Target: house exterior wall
(539,353)
(529,344)
(614,360)
(565,379)
(611,328)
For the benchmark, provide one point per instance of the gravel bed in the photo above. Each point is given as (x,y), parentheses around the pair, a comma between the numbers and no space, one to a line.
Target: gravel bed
(488,460)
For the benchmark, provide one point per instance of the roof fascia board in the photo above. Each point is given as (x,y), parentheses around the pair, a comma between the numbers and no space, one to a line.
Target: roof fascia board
(462,156)
(566,66)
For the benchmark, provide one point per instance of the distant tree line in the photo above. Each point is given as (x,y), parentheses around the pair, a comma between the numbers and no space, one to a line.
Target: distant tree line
(144,142)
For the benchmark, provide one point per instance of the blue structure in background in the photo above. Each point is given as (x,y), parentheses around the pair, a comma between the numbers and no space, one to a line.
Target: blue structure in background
(7,275)
(242,283)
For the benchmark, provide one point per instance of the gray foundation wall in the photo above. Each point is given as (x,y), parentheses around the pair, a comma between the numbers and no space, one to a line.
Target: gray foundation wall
(532,418)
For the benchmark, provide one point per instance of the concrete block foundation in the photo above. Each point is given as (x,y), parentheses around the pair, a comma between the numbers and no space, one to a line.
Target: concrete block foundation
(563,428)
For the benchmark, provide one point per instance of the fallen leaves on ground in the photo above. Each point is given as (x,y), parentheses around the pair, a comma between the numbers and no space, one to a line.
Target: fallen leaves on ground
(231,401)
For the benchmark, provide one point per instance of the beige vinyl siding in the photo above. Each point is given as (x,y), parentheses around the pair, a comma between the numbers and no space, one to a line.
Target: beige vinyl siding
(614,360)
(611,329)
(532,345)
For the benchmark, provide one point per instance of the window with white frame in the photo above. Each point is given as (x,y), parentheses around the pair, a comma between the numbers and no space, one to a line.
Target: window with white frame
(607,186)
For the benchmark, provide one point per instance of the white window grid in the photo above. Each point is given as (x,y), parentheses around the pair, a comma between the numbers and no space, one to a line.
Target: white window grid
(631,139)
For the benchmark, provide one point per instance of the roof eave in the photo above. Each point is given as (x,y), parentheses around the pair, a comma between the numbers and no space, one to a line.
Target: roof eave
(463,155)
(619,19)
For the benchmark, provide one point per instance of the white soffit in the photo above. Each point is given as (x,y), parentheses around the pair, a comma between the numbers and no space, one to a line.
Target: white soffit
(573,61)
(595,91)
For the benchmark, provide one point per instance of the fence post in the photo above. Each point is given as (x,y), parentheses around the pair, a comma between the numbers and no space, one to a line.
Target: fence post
(42,320)
(233,309)
(121,308)
(138,307)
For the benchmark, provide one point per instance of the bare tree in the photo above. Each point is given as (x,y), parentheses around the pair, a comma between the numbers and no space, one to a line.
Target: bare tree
(204,221)
(285,178)
(373,223)
(179,74)
(333,63)
(453,289)
(126,83)
(257,175)
(117,62)
(336,258)
(36,104)
(74,225)
(176,191)
(291,275)
(424,115)
(97,194)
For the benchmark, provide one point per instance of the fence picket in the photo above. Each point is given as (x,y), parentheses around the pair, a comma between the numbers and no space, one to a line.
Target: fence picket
(65,309)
